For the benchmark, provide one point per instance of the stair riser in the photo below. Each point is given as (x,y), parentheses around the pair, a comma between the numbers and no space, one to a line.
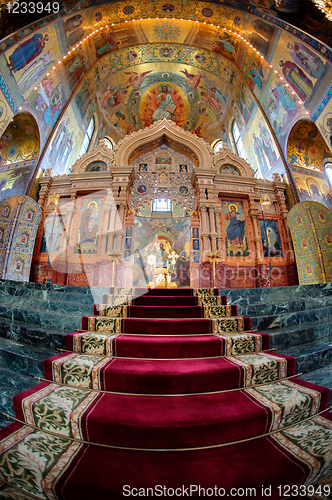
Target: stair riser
(176,421)
(285,306)
(31,335)
(287,291)
(21,364)
(291,319)
(65,307)
(40,318)
(301,336)
(165,301)
(11,385)
(314,361)
(167,376)
(172,347)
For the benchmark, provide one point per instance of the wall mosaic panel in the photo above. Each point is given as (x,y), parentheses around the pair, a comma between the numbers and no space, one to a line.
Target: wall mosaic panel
(270,232)
(19,220)
(88,226)
(235,229)
(311,228)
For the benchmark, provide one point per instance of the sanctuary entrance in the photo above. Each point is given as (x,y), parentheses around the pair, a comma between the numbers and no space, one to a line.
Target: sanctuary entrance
(162,249)
(163,209)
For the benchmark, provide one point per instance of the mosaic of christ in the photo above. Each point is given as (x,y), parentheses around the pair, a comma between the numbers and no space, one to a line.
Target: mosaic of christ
(163,100)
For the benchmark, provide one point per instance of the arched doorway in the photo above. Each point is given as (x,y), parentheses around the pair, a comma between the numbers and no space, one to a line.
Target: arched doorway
(19,149)
(306,152)
(162,202)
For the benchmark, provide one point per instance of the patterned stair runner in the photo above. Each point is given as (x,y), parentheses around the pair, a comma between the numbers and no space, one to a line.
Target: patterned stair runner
(173,386)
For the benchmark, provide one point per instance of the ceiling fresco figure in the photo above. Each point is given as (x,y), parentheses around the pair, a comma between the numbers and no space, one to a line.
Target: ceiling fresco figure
(307,60)
(173,135)
(192,80)
(135,79)
(297,79)
(166,106)
(34,70)
(26,52)
(200,76)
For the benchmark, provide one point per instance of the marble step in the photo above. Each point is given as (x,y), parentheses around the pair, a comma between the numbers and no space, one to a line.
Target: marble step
(311,356)
(285,306)
(288,292)
(62,306)
(40,317)
(88,295)
(299,334)
(32,335)
(290,319)
(12,383)
(321,376)
(23,358)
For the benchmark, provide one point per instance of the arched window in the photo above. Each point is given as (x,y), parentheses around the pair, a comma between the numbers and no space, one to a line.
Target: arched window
(162,205)
(239,146)
(87,137)
(108,142)
(217,145)
(328,171)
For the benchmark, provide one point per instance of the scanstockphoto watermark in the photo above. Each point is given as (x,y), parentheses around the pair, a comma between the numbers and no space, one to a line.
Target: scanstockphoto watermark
(188,491)
(198,491)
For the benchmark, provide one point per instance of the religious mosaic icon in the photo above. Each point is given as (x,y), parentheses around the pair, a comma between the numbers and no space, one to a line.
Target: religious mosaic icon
(142,189)
(235,228)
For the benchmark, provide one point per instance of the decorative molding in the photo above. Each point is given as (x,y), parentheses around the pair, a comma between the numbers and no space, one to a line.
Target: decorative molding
(101,153)
(226,157)
(171,190)
(164,130)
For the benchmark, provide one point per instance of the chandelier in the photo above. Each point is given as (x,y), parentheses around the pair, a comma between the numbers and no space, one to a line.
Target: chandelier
(326,7)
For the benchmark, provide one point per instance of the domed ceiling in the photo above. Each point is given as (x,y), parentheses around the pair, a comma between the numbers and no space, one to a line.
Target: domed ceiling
(201,65)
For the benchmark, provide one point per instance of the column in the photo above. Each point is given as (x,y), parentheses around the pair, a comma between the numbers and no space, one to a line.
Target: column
(279,192)
(111,228)
(253,214)
(213,233)
(104,236)
(205,231)
(119,228)
(217,211)
(70,207)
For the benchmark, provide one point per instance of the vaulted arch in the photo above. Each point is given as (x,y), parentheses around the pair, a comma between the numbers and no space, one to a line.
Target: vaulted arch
(163,131)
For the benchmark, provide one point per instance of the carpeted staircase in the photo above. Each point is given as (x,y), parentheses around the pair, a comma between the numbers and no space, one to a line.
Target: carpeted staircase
(169,388)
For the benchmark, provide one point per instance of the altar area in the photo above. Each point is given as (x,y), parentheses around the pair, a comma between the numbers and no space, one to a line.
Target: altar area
(163,186)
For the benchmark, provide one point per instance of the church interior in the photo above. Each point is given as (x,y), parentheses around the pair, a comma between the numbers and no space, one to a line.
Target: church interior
(165,249)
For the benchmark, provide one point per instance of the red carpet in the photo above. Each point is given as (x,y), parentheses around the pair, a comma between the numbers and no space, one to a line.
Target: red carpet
(185,381)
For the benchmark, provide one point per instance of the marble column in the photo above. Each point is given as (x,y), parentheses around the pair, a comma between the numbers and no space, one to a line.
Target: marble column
(217,211)
(213,233)
(279,192)
(70,207)
(205,231)
(119,228)
(111,228)
(104,236)
(253,214)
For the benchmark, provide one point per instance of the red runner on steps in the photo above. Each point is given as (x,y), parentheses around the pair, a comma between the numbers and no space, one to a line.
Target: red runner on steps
(175,406)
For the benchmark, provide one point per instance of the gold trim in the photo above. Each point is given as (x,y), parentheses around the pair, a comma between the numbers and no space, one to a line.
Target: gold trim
(219,445)
(166,359)
(171,395)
